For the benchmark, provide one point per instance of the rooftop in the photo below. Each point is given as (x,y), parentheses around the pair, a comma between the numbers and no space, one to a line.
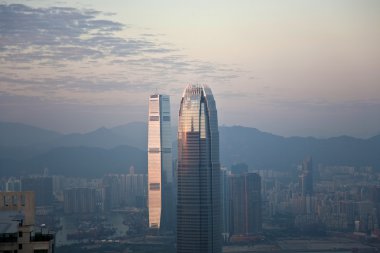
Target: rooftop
(9,221)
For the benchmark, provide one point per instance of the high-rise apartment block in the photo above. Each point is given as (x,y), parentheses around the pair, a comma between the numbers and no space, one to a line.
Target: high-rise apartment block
(306,177)
(122,190)
(79,200)
(13,185)
(160,170)
(198,183)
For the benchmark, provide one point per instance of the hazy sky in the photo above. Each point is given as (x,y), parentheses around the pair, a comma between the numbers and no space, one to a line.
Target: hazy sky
(291,67)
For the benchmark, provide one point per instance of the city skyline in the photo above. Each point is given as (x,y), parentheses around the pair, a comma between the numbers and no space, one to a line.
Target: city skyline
(291,68)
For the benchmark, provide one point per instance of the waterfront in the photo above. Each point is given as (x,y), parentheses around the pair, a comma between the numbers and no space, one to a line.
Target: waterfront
(74,229)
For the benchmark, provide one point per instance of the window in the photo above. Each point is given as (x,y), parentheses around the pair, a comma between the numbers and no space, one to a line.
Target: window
(154,150)
(20,246)
(14,200)
(22,199)
(19,233)
(166,118)
(7,200)
(154,186)
(154,118)
(167,150)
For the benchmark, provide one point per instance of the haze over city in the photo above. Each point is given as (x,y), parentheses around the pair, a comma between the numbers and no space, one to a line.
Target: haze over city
(286,67)
(178,126)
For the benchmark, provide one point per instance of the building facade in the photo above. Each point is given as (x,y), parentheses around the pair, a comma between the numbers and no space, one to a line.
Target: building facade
(125,190)
(198,183)
(17,230)
(160,170)
(306,177)
(245,204)
(225,202)
(13,185)
(79,200)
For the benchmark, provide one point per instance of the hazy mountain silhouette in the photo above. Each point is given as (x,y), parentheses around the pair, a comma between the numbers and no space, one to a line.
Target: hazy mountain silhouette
(114,150)
(16,134)
(36,148)
(136,134)
(101,137)
(79,162)
(132,134)
(24,138)
(263,150)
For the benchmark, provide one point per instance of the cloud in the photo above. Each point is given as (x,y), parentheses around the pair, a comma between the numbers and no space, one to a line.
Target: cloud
(52,50)
(63,33)
(49,85)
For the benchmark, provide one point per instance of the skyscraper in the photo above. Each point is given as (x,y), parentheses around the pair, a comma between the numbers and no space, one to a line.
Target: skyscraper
(245,204)
(198,183)
(160,172)
(225,202)
(306,177)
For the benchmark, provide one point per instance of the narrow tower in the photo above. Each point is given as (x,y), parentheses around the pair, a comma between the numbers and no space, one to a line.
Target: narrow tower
(160,173)
(198,193)
(306,177)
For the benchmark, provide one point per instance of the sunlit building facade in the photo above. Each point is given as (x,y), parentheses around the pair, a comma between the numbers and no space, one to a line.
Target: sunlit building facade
(160,172)
(198,182)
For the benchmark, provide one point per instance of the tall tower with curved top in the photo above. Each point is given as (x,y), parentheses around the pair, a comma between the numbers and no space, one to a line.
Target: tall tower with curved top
(198,193)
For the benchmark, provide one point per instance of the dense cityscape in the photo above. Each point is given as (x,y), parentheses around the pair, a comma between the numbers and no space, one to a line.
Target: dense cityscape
(112,209)
(308,208)
(173,126)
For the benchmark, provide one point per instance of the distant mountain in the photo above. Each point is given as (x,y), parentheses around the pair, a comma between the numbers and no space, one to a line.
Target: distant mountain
(25,139)
(263,150)
(136,134)
(79,162)
(26,149)
(102,138)
(16,134)
(132,134)
(21,152)
(115,149)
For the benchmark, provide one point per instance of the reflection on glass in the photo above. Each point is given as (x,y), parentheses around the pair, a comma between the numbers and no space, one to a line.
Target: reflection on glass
(198,207)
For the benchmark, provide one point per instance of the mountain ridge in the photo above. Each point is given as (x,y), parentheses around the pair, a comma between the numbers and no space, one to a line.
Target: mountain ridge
(260,150)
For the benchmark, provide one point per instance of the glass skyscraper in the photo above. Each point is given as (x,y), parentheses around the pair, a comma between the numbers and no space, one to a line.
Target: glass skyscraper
(160,172)
(306,177)
(198,182)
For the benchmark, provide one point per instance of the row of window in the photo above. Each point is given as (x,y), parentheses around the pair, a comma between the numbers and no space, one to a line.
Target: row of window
(9,200)
(157,150)
(157,118)
(154,186)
